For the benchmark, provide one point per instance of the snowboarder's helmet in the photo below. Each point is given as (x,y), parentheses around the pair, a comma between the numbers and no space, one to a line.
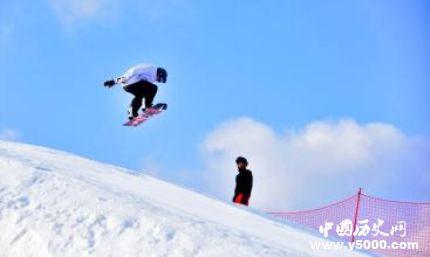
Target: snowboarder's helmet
(241,159)
(161,75)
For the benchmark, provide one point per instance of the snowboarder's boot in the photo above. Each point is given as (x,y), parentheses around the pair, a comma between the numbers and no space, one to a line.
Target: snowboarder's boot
(131,115)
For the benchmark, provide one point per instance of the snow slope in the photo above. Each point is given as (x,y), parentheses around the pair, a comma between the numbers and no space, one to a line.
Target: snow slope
(56,204)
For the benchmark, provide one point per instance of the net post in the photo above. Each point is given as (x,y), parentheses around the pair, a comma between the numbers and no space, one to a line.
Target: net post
(354,220)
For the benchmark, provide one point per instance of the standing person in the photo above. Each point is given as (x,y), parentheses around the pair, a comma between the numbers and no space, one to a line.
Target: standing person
(140,81)
(242,192)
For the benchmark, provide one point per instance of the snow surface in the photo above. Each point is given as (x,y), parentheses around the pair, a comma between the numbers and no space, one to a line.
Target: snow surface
(56,204)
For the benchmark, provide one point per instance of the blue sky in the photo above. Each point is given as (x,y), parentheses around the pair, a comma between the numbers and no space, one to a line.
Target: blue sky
(284,64)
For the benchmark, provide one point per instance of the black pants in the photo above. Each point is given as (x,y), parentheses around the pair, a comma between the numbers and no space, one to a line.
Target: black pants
(141,89)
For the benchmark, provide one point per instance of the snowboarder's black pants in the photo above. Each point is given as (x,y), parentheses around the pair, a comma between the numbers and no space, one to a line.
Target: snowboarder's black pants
(141,89)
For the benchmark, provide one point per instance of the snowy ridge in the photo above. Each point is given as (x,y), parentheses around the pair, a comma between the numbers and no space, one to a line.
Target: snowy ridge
(56,204)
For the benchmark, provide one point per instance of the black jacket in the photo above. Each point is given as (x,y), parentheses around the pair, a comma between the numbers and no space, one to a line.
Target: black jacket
(243,183)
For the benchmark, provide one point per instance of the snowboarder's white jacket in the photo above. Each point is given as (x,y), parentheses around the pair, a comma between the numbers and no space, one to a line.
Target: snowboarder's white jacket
(137,73)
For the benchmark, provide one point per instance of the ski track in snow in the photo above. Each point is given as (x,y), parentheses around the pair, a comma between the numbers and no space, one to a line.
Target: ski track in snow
(57,204)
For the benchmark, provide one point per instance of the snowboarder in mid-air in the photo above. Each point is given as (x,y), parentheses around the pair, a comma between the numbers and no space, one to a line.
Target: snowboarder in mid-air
(243,189)
(140,81)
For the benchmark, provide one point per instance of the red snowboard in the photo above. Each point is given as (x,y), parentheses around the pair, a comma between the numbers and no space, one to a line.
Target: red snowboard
(150,112)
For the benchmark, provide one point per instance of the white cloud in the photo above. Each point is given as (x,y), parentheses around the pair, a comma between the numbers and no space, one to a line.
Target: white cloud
(72,11)
(323,162)
(9,135)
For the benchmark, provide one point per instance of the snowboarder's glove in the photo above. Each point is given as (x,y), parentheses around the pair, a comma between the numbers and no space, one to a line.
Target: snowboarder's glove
(109,83)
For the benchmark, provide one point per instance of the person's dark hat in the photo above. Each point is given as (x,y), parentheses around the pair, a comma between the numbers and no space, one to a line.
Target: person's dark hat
(241,159)
(162,74)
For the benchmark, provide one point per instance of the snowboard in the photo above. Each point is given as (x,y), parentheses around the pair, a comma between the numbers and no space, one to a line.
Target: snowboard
(150,112)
